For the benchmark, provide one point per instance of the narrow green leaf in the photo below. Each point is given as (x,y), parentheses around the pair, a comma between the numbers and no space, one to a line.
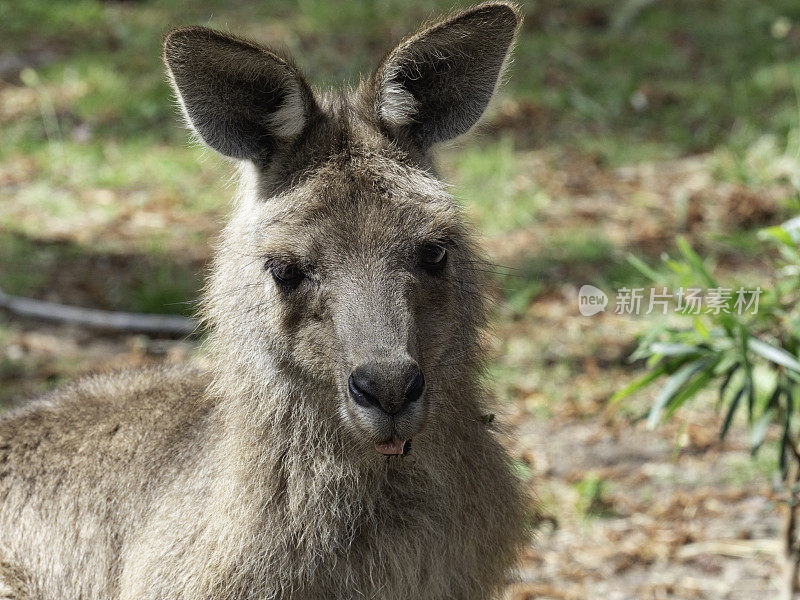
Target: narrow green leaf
(643,347)
(789,253)
(653,360)
(728,376)
(728,361)
(774,397)
(697,263)
(787,422)
(779,356)
(675,349)
(747,367)
(672,386)
(638,384)
(677,267)
(644,268)
(777,233)
(701,328)
(695,385)
(731,410)
(759,431)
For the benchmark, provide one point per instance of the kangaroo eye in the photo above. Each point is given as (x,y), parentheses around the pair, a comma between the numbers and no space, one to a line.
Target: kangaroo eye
(433,258)
(285,274)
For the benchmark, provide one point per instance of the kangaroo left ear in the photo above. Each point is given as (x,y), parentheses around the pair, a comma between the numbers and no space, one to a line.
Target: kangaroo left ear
(243,100)
(436,84)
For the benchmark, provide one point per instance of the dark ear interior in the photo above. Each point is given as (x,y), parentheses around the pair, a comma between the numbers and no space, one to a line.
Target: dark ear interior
(240,98)
(436,84)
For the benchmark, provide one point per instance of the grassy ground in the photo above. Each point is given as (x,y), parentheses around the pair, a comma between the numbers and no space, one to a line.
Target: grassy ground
(623,124)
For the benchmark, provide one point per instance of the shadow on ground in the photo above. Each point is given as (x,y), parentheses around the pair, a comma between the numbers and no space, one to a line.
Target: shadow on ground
(70,273)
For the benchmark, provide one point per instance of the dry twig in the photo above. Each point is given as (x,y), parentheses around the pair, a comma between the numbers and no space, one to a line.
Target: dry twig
(97,319)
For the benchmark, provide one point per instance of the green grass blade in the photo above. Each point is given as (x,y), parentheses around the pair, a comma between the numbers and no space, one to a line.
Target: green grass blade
(695,261)
(644,268)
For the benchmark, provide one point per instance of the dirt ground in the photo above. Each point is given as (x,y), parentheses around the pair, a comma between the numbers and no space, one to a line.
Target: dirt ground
(677,515)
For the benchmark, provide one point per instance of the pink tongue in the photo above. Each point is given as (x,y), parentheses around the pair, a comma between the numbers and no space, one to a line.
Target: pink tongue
(393,446)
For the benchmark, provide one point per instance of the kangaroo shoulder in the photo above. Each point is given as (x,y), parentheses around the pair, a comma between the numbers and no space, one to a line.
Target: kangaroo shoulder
(145,402)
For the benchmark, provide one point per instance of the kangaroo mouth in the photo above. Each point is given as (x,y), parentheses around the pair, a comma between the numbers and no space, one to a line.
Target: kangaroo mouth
(394,447)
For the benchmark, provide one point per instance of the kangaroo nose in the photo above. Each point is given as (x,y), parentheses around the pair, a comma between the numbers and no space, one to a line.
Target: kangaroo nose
(415,387)
(387,386)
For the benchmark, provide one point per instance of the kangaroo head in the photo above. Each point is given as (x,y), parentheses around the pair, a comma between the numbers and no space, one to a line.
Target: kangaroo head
(346,263)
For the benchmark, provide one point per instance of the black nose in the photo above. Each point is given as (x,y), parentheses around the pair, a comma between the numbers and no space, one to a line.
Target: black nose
(385,385)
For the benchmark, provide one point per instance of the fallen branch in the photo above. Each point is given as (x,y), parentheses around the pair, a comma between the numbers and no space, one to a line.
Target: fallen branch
(735,548)
(97,319)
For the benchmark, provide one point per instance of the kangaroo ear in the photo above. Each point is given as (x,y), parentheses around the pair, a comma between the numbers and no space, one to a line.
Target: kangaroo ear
(436,84)
(239,98)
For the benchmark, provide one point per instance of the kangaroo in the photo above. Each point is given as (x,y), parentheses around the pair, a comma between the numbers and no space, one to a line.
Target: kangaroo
(335,446)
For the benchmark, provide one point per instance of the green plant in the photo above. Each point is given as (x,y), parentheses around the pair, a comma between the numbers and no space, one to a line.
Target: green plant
(750,355)
(592,502)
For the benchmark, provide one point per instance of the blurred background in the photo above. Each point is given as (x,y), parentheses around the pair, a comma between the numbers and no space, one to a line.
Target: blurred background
(625,126)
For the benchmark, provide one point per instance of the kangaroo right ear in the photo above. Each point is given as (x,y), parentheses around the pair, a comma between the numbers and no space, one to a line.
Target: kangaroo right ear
(436,84)
(241,99)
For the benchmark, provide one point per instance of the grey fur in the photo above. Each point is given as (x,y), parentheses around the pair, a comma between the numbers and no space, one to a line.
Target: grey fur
(260,478)
(443,76)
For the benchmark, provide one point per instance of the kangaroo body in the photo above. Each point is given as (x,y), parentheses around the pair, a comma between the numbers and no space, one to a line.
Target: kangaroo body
(345,311)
